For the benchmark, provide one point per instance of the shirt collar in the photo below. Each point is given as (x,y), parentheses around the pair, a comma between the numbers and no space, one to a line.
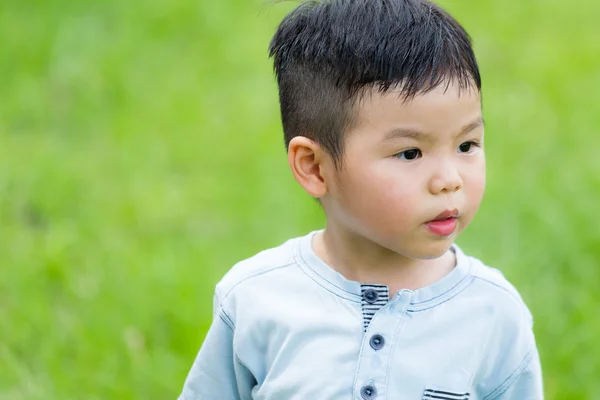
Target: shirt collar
(421,299)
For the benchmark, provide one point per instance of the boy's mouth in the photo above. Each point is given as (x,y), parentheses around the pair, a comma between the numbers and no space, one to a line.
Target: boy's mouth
(444,224)
(446,214)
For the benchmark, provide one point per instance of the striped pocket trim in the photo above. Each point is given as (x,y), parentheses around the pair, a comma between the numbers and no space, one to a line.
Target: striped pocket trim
(431,394)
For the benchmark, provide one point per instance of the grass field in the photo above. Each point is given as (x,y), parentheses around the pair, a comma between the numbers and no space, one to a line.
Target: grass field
(141,156)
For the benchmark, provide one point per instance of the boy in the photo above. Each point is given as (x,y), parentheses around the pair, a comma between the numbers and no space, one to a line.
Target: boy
(381,110)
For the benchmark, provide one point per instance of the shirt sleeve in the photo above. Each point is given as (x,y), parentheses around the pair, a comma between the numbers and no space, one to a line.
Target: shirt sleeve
(516,372)
(527,383)
(216,373)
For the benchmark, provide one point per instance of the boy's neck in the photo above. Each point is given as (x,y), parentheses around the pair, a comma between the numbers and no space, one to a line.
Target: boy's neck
(359,259)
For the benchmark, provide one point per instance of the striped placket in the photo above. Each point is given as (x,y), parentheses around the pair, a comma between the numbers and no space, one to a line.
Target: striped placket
(374,297)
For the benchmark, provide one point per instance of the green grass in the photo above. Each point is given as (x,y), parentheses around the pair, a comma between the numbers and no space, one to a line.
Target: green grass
(141,156)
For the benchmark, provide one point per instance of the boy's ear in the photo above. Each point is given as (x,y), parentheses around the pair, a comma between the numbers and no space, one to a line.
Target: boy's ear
(306,159)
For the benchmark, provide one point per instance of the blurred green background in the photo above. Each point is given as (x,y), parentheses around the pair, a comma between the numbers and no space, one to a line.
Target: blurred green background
(141,156)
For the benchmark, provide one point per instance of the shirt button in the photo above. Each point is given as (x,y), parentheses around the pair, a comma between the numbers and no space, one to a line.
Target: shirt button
(368,392)
(371,295)
(377,342)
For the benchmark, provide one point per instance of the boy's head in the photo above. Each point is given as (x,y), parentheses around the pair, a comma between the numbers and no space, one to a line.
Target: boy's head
(381,111)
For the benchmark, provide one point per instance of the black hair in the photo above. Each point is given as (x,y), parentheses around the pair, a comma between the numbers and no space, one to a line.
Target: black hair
(326,53)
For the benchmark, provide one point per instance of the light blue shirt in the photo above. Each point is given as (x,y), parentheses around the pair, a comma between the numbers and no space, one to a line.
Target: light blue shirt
(287,326)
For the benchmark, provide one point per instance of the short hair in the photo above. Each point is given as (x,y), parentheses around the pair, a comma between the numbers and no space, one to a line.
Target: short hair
(327,53)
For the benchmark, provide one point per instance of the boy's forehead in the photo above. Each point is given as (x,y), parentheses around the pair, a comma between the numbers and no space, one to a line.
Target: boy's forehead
(446,107)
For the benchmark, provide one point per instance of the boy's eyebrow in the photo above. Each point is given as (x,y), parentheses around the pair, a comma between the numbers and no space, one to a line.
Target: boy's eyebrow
(476,123)
(398,133)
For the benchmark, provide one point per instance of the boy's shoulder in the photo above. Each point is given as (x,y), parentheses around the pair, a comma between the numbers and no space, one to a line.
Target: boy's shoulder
(493,288)
(261,266)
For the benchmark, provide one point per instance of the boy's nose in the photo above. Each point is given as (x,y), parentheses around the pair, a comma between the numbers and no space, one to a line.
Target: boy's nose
(446,180)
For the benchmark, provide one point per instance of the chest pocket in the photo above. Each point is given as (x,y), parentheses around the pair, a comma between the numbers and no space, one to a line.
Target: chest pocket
(441,394)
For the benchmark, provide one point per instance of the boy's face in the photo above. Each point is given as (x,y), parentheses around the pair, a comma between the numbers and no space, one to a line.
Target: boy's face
(408,166)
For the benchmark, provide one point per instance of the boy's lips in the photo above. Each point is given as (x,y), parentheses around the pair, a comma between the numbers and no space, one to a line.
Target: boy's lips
(446,214)
(444,224)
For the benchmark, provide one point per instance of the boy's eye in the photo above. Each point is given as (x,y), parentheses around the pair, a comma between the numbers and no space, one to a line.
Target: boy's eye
(466,147)
(409,154)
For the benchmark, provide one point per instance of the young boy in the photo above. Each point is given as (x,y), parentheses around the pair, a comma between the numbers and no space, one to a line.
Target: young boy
(381,110)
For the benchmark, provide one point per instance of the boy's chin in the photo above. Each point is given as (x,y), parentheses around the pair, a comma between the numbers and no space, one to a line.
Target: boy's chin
(432,250)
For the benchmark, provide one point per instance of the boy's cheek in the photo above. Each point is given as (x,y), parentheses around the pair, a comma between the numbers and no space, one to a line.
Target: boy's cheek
(475,178)
(475,192)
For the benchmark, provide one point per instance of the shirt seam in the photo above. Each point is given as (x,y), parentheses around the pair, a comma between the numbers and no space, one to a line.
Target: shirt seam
(510,292)
(226,319)
(254,275)
(507,383)
(441,295)
(445,297)
(400,325)
(301,257)
(356,300)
